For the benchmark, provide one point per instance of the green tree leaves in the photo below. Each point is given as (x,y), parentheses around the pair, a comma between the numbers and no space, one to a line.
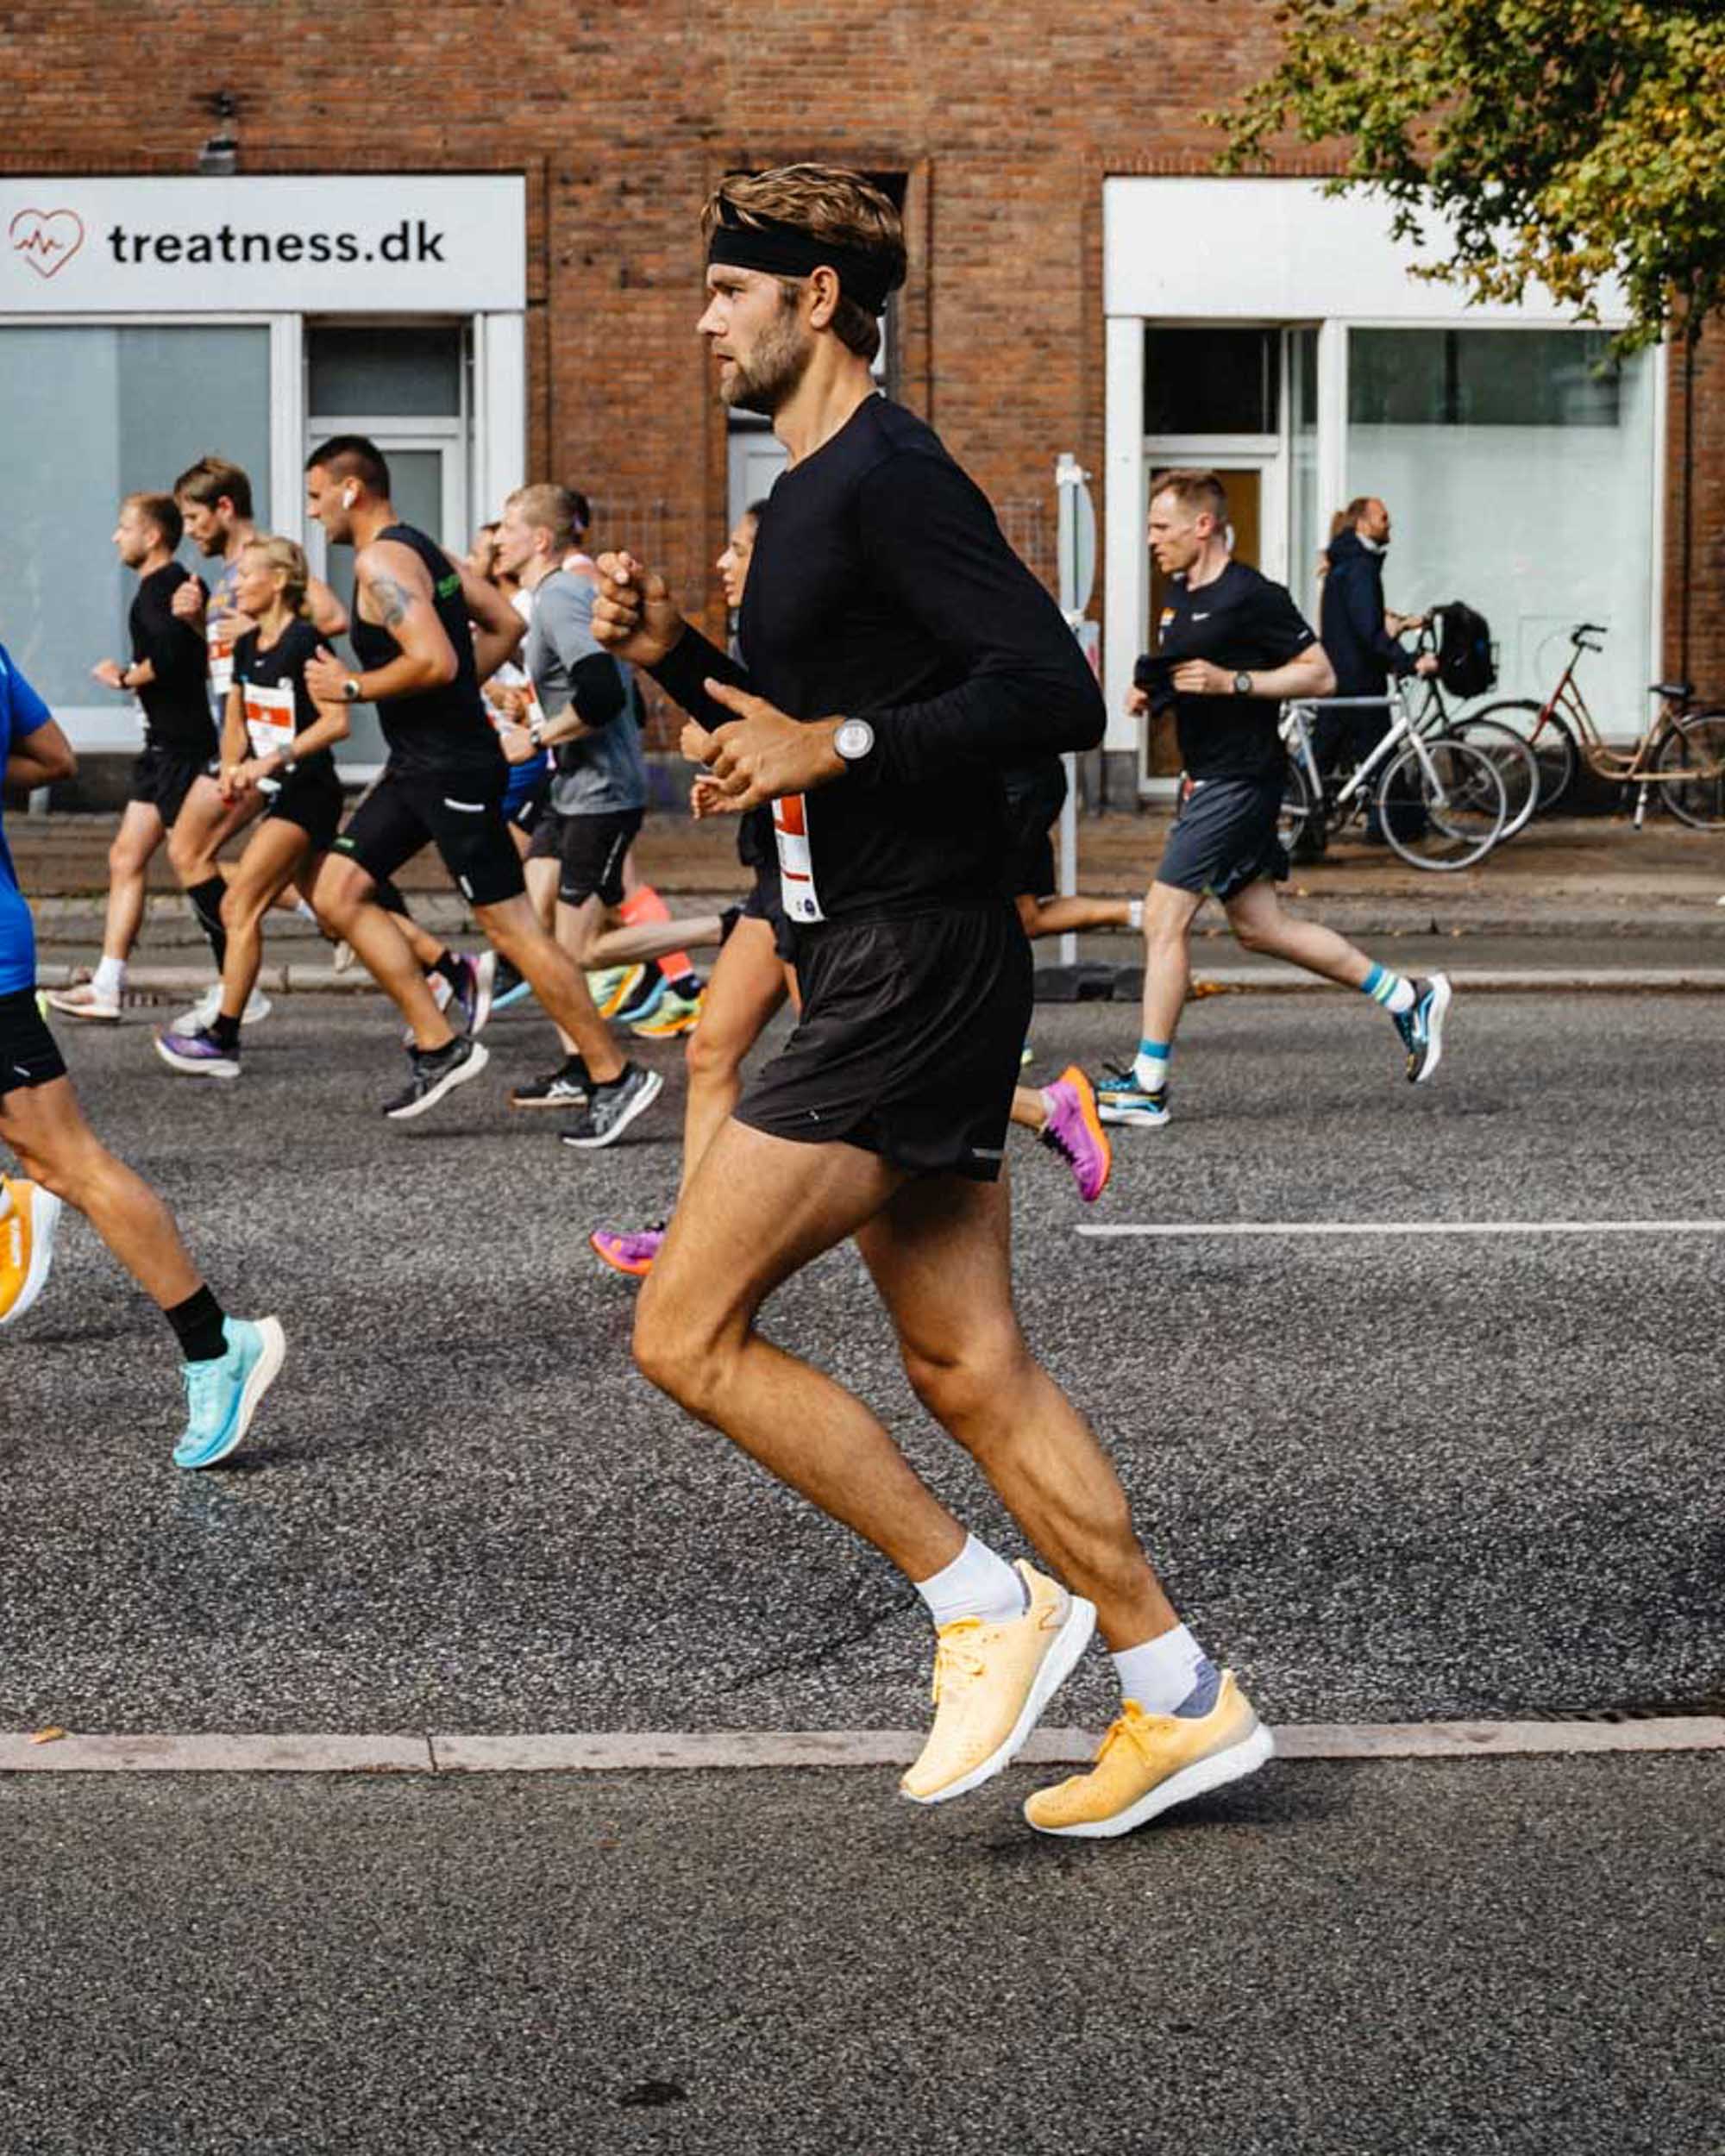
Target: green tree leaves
(1562,141)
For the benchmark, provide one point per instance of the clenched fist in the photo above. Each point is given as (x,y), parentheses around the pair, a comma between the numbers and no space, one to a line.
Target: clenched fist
(634,616)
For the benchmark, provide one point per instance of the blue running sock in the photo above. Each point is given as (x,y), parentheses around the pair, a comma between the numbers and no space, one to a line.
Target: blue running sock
(1150,1065)
(1393,990)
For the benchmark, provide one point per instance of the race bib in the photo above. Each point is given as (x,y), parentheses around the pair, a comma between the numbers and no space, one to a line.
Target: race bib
(269,718)
(218,636)
(532,715)
(796,863)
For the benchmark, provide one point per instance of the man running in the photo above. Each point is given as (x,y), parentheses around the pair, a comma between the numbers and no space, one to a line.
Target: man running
(899,655)
(599,791)
(173,794)
(1236,647)
(414,615)
(229,1363)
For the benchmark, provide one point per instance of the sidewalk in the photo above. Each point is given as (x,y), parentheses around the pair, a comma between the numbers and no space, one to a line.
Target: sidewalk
(1578,898)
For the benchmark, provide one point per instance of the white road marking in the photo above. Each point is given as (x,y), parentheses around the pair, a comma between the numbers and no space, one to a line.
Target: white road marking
(1179,1230)
(719,1750)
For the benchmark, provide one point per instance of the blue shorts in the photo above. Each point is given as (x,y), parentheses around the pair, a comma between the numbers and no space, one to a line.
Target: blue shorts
(1224,837)
(529,789)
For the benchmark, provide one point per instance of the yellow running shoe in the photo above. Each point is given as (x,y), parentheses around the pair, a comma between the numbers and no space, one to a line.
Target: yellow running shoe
(27,1237)
(675,1014)
(991,1683)
(1149,1762)
(611,986)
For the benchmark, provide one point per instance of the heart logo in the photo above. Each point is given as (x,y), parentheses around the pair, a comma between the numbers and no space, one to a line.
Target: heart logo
(47,238)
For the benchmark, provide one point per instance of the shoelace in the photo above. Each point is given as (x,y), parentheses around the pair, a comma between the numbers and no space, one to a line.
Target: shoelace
(957,1658)
(199,1379)
(1128,1729)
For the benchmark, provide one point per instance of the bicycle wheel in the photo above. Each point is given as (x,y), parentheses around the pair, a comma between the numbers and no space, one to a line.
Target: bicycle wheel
(1691,770)
(1552,741)
(1517,765)
(1301,824)
(1440,804)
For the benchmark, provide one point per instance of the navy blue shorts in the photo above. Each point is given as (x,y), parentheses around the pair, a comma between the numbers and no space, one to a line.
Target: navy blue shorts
(1224,837)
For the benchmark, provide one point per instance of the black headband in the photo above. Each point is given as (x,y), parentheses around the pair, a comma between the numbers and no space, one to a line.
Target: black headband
(786,250)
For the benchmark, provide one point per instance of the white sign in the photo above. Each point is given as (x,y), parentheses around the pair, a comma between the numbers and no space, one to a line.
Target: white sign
(360,242)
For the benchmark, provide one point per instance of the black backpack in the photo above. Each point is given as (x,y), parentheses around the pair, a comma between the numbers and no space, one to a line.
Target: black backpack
(1467,665)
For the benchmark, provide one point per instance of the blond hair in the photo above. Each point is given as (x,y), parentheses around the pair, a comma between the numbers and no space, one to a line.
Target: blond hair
(829,204)
(545,506)
(1195,490)
(287,558)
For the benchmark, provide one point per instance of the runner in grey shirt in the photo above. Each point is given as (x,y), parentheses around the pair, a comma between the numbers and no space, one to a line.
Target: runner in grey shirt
(598,788)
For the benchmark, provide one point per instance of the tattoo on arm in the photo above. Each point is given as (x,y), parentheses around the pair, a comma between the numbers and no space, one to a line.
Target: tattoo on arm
(392,599)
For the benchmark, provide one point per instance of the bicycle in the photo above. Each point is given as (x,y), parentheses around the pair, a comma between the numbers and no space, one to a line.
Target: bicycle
(1517,765)
(1439,801)
(1681,752)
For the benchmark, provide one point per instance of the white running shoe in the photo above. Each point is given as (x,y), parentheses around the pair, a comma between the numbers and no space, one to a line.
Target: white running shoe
(83,1002)
(203,1013)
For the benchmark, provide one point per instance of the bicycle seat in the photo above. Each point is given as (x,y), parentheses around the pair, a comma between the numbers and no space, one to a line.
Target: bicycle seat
(1679,692)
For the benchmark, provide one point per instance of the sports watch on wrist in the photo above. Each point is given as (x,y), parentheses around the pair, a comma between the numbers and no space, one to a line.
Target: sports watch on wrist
(1242,685)
(853,740)
(536,733)
(350,688)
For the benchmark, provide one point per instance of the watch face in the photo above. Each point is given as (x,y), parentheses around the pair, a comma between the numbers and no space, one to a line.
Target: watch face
(855,738)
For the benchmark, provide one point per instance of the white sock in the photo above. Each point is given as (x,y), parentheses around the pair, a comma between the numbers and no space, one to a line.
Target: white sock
(978,1583)
(305,911)
(5,1202)
(110,979)
(1135,914)
(1163,1673)
(1150,1065)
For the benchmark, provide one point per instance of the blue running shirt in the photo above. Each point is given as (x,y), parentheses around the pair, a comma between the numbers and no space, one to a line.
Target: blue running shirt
(22,710)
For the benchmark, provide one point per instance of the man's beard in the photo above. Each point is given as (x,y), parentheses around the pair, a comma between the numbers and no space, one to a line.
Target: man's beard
(780,361)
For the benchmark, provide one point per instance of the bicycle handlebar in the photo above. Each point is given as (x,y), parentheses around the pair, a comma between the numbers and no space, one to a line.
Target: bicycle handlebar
(1582,630)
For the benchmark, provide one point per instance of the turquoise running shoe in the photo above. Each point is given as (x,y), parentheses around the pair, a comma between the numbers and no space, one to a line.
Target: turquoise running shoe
(223,1396)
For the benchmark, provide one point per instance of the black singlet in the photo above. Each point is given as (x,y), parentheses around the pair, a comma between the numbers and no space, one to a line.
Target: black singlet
(443,729)
(283,666)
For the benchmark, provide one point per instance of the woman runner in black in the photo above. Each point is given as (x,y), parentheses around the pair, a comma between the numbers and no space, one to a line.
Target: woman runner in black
(900,657)
(276,742)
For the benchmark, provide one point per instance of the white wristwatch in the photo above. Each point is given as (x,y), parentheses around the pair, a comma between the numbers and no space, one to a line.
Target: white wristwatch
(853,740)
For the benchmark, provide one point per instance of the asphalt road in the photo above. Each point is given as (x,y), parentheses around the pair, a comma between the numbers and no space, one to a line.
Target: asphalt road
(1386,1479)
(1502,1959)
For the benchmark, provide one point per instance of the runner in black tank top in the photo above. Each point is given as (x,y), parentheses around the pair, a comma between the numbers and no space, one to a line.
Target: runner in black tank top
(426,632)
(441,729)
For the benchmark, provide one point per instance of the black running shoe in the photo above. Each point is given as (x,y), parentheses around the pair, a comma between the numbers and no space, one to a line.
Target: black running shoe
(1422,1028)
(567,1087)
(611,1109)
(435,1072)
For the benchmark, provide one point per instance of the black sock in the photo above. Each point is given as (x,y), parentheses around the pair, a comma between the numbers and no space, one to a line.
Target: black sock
(687,985)
(450,967)
(206,903)
(225,1032)
(198,1321)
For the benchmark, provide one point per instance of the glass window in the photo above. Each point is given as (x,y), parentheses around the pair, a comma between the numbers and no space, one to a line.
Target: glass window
(1482,378)
(1211,381)
(1518,479)
(364,373)
(88,415)
(1305,538)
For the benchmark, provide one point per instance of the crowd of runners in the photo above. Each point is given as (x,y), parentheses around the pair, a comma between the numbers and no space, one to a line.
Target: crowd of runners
(892,657)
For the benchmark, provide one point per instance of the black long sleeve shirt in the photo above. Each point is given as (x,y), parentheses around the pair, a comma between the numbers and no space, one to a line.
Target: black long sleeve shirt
(177,703)
(881,587)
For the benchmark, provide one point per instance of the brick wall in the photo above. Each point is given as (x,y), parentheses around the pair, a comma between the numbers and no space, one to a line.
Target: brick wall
(1005,125)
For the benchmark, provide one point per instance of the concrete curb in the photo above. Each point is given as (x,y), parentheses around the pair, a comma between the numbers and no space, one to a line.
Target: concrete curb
(730,1751)
(146,983)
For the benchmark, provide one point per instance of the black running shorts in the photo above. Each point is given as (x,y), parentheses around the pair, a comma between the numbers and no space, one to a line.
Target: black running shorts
(28,1055)
(1224,836)
(314,803)
(1035,796)
(909,1040)
(460,814)
(765,902)
(163,777)
(589,852)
